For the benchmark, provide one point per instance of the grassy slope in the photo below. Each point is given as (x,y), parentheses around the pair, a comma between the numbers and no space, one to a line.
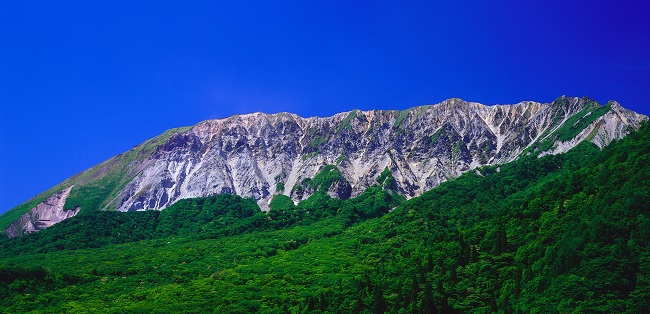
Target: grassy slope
(95,186)
(568,129)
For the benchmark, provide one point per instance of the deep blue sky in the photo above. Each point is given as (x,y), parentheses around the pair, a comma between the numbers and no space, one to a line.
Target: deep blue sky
(83,81)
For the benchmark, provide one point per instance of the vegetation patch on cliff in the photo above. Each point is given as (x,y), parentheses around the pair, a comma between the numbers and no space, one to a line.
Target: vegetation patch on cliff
(324,179)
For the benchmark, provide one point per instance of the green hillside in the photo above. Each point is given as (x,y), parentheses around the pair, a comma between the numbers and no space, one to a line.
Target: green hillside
(559,234)
(94,188)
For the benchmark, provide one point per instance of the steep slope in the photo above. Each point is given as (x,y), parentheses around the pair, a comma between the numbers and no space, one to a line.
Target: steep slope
(251,155)
(94,188)
(260,155)
(45,214)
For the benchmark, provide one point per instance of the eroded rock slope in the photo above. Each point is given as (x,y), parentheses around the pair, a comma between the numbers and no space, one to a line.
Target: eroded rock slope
(45,214)
(258,155)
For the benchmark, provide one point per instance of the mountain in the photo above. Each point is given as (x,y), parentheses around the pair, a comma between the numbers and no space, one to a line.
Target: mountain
(261,155)
(564,233)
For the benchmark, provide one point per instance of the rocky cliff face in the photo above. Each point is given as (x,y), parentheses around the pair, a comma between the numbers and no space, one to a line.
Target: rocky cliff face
(259,155)
(43,215)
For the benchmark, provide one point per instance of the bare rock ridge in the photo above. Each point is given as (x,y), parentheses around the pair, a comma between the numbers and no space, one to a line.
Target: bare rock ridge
(260,155)
(45,214)
(252,155)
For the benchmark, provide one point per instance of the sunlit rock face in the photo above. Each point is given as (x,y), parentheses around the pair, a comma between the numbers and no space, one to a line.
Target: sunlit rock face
(259,155)
(45,214)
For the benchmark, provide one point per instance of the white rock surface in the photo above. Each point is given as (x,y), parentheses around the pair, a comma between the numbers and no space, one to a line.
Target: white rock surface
(424,146)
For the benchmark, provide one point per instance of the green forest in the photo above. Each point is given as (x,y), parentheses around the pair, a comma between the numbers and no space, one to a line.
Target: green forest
(562,233)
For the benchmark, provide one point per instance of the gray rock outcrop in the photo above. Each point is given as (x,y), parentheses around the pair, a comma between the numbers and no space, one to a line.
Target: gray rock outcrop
(45,214)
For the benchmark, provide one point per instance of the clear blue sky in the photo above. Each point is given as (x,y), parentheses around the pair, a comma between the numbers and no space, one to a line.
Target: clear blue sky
(83,81)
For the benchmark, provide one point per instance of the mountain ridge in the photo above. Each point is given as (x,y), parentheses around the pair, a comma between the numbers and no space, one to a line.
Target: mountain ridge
(253,155)
(560,233)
